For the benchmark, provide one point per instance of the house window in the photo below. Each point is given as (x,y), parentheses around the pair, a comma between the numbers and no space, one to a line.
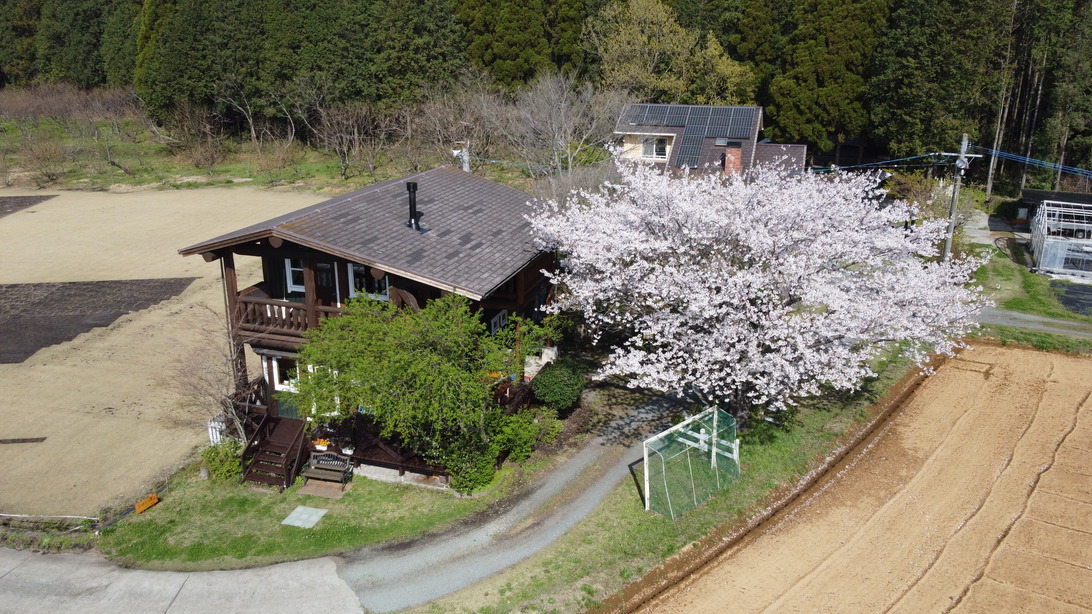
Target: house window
(286,374)
(369,281)
(293,274)
(498,322)
(654,147)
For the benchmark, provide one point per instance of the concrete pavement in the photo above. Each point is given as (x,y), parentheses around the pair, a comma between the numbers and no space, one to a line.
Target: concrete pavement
(88,584)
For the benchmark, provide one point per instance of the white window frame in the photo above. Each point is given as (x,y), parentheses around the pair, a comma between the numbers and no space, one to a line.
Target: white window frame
(650,143)
(278,385)
(288,269)
(385,283)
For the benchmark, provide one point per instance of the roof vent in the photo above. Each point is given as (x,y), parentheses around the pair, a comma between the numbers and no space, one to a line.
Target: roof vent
(414,222)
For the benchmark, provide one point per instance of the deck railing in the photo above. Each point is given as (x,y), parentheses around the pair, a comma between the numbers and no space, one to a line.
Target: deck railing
(271,316)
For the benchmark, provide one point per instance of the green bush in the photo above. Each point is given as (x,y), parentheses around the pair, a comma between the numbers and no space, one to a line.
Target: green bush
(471,466)
(527,429)
(224,459)
(559,385)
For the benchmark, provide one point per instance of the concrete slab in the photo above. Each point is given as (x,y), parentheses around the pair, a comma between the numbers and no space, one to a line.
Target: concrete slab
(304,517)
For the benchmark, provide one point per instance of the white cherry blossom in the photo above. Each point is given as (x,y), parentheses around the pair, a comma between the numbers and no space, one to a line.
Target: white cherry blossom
(754,291)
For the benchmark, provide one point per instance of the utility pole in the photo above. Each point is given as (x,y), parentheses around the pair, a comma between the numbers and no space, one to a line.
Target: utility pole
(961,165)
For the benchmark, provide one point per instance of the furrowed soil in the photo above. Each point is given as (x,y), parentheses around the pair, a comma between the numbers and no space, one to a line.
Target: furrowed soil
(976,496)
(94,421)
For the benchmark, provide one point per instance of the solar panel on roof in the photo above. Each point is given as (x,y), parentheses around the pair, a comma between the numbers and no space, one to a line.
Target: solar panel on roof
(677,116)
(656,115)
(689,150)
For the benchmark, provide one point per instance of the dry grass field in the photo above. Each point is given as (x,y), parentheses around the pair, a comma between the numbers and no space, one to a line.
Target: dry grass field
(107,402)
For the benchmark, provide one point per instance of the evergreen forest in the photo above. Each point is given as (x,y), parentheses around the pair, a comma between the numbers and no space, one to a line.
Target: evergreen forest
(353,78)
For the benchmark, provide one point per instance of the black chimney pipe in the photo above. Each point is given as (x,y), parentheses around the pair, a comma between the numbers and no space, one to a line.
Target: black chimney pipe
(411,187)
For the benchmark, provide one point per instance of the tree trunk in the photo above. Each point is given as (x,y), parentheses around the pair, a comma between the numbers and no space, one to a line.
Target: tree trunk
(1061,157)
(1034,121)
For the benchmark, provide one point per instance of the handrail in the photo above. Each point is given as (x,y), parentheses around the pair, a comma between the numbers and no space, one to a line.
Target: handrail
(261,426)
(297,447)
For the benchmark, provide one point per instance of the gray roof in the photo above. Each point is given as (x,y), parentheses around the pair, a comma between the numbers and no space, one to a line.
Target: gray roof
(697,121)
(474,235)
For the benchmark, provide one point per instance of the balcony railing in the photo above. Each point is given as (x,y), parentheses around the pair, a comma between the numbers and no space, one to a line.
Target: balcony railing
(276,317)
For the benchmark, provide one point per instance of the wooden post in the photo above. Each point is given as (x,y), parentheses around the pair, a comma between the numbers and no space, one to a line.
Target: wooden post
(309,292)
(231,306)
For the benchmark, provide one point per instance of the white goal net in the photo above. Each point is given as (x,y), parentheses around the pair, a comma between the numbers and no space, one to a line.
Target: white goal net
(690,462)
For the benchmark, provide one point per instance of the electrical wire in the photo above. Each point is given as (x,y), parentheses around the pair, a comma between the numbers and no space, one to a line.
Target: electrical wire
(1071,170)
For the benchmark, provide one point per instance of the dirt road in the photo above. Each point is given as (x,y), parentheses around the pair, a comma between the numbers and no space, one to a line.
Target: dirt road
(106,402)
(976,497)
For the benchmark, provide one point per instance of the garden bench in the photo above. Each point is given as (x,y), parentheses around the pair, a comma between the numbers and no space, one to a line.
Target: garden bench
(328,466)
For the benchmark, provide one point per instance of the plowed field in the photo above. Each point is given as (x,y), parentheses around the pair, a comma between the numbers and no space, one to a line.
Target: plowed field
(976,496)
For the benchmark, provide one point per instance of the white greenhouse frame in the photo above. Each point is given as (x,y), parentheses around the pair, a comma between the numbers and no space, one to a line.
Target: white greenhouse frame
(1061,238)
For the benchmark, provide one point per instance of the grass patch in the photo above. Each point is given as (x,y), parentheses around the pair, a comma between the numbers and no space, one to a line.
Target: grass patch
(205,524)
(50,535)
(1014,288)
(1040,341)
(620,540)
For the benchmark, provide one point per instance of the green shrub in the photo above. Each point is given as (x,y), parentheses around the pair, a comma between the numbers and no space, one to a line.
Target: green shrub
(471,467)
(224,459)
(527,429)
(559,385)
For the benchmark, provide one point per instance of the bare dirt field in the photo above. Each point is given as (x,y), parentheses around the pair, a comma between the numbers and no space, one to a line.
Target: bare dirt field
(93,422)
(976,496)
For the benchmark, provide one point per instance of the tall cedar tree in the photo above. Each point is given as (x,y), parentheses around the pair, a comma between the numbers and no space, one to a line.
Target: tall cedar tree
(929,86)
(18,28)
(508,38)
(69,41)
(820,96)
(416,44)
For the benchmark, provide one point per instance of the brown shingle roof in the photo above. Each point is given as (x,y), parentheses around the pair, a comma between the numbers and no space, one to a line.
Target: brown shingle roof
(475,236)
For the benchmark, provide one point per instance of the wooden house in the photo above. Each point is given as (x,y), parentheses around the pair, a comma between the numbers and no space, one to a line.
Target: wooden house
(702,137)
(408,240)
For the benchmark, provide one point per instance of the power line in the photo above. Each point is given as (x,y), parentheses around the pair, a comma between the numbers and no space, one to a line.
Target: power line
(1071,170)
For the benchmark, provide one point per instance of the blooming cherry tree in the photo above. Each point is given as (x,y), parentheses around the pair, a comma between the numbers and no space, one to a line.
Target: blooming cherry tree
(754,291)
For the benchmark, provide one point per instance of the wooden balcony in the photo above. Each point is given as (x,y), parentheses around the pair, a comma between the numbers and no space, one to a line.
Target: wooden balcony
(274,322)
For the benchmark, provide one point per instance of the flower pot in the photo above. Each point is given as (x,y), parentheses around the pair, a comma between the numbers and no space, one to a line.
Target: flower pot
(320,448)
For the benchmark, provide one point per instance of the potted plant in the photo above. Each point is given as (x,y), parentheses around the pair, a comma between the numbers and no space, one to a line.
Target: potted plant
(321,444)
(347,447)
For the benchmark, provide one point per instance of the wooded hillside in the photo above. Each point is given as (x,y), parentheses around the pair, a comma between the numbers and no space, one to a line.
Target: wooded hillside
(903,77)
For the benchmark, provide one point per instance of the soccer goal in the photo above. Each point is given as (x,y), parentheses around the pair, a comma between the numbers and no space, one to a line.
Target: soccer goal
(690,462)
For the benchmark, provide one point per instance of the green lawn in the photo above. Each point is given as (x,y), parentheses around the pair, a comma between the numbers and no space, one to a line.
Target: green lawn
(206,524)
(1014,288)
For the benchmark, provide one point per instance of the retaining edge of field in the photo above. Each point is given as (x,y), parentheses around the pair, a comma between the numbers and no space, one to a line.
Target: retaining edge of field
(693,557)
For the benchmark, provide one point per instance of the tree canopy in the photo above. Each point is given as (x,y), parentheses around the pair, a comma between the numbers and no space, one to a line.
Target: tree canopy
(426,377)
(754,292)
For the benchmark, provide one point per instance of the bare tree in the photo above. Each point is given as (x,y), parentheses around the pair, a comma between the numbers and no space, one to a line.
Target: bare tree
(359,134)
(557,123)
(465,115)
(233,93)
(215,380)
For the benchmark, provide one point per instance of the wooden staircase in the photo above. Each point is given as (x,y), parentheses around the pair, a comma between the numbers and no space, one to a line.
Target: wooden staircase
(273,453)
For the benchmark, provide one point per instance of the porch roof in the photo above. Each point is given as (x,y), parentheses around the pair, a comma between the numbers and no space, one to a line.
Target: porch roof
(474,235)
